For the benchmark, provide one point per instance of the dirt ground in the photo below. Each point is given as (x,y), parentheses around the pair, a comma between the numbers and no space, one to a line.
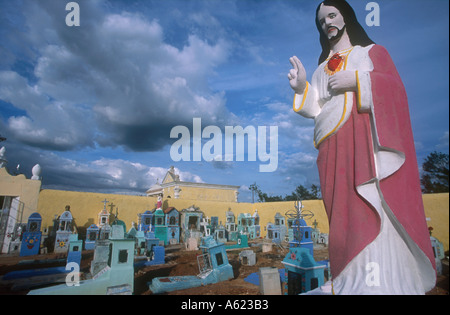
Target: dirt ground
(185,263)
(179,262)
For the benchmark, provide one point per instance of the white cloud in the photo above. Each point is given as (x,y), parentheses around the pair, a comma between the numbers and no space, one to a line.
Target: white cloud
(188,176)
(108,175)
(244,188)
(111,81)
(300,168)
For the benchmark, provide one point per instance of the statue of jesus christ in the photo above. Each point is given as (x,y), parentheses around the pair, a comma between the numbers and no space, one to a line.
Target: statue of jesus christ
(379,241)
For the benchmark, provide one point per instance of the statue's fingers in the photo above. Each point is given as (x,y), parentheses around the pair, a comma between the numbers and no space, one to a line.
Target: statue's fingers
(293,73)
(294,62)
(298,63)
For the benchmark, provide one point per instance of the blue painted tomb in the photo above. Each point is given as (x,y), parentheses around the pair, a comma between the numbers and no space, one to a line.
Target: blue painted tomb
(31,238)
(302,272)
(92,235)
(213,266)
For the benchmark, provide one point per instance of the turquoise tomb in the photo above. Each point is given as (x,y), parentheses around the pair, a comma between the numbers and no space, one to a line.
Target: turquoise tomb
(213,267)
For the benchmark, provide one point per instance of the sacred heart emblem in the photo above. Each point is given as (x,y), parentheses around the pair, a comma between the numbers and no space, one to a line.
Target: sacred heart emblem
(334,62)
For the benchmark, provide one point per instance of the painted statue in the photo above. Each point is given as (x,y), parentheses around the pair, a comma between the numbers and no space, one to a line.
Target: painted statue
(159,202)
(379,242)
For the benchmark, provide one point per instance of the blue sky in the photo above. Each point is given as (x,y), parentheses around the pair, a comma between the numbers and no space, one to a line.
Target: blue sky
(94,104)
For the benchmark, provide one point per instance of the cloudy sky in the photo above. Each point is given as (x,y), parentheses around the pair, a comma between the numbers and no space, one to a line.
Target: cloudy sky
(94,104)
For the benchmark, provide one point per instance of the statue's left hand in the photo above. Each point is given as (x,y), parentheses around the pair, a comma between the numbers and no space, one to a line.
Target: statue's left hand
(343,81)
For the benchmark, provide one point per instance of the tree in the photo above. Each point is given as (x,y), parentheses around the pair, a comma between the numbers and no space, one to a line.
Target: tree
(435,173)
(263,197)
(300,193)
(316,192)
(254,188)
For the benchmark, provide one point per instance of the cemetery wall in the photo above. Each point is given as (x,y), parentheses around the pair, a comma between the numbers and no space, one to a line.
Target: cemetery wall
(26,190)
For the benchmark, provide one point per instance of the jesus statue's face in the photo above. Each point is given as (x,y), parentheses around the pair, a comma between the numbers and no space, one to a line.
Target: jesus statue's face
(331,21)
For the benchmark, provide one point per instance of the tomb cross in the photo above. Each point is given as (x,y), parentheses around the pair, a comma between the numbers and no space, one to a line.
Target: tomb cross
(315,224)
(112,207)
(298,206)
(204,223)
(105,202)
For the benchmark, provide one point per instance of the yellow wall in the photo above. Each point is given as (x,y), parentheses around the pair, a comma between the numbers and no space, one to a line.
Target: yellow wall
(86,206)
(19,186)
(437,213)
(199,193)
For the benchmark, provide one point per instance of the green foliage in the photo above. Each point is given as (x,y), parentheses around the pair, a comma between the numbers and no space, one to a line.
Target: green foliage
(300,193)
(435,173)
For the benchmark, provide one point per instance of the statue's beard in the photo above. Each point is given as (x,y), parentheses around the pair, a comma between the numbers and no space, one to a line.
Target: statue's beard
(338,36)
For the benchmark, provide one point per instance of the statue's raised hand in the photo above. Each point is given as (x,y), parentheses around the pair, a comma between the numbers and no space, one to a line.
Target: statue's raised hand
(297,76)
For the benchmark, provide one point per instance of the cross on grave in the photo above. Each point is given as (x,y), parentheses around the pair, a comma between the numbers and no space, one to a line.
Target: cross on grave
(112,207)
(105,202)
(315,223)
(204,223)
(298,206)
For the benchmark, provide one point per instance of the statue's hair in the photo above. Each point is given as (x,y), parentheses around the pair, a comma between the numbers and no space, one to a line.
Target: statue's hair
(355,31)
